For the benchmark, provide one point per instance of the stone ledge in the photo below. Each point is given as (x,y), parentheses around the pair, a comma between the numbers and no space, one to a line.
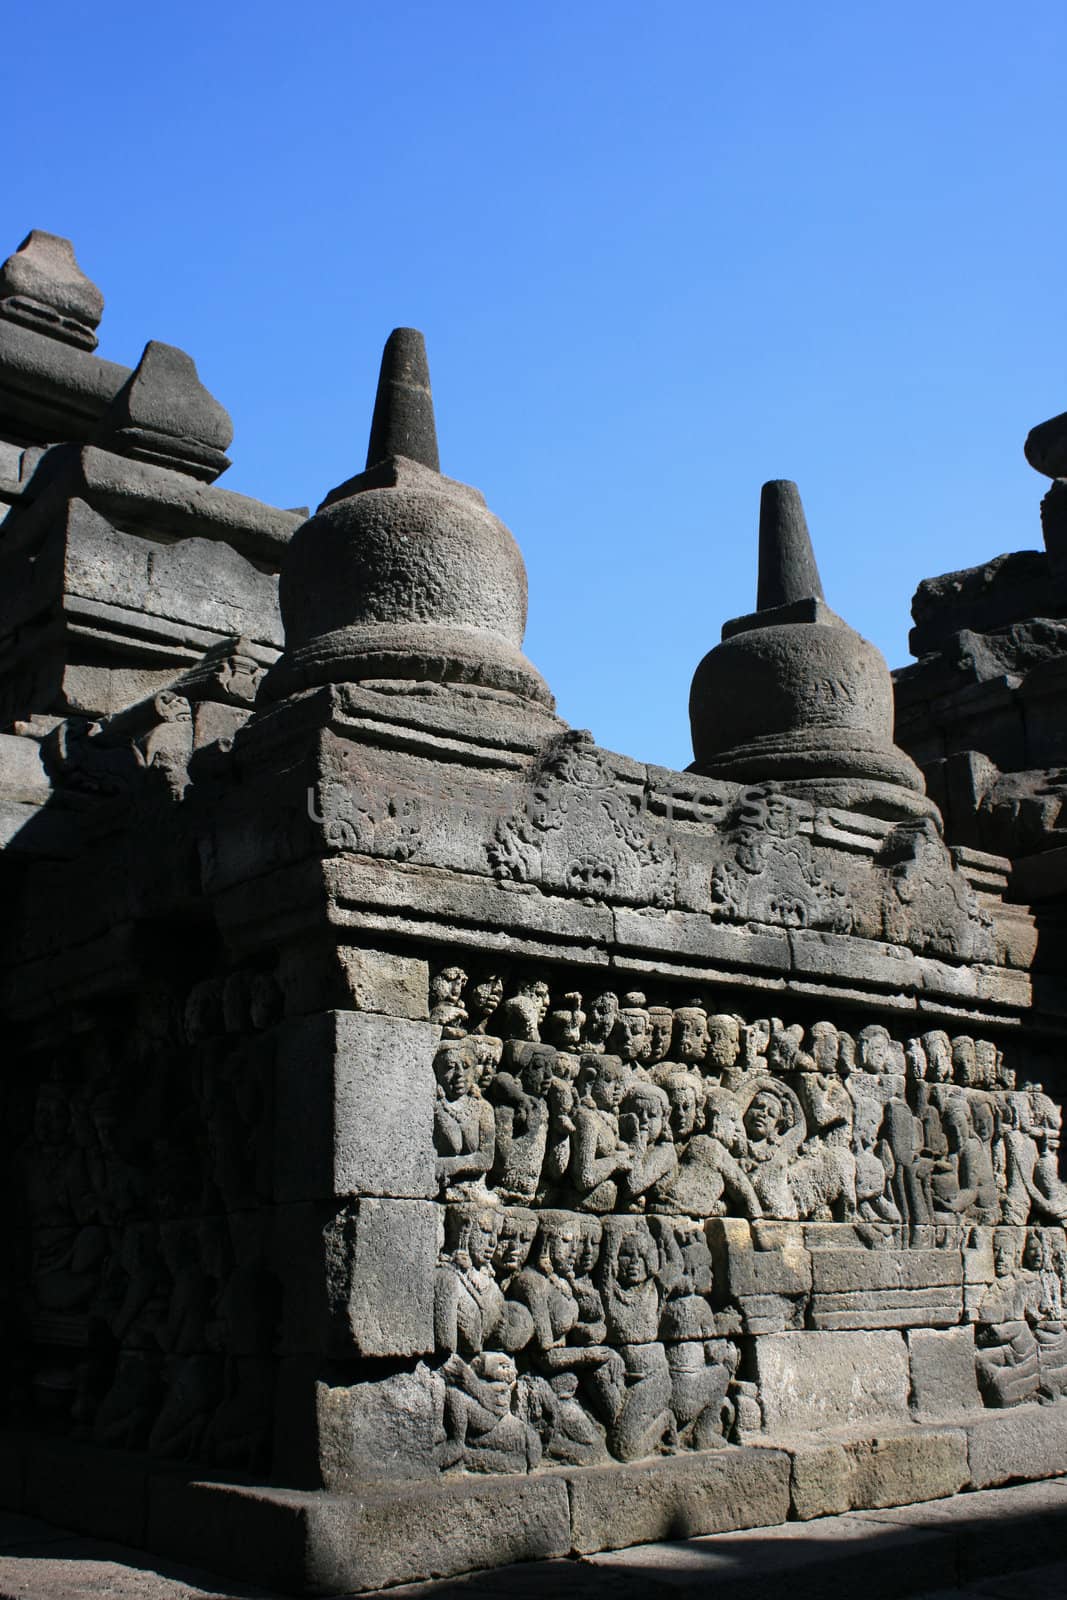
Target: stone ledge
(382,1534)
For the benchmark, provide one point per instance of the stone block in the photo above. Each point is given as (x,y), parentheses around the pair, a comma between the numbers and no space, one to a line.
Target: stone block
(821,1480)
(812,1380)
(769,1285)
(897,1469)
(330,1543)
(1024,1442)
(322,976)
(942,1371)
(383,1429)
(862,1288)
(358,1279)
(355,1099)
(678,1497)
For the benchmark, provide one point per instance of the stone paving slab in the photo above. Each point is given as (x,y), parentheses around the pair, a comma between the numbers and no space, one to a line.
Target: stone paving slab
(998,1544)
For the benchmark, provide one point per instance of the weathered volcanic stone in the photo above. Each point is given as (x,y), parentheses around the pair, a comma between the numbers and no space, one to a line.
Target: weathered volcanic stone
(710,1492)
(942,1370)
(355,1107)
(817,1380)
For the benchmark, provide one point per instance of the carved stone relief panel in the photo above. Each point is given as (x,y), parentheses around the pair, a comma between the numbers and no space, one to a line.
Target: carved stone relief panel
(633,1187)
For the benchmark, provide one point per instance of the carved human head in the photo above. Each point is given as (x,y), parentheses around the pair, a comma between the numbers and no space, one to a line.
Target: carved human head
(601,1018)
(602,1081)
(636,1258)
(768,1117)
(558,1241)
(447,984)
(565,1021)
(484,995)
(471,1232)
(647,1109)
(825,1046)
(1005,1251)
(690,1032)
(724,1121)
(515,1238)
(874,1053)
(783,1051)
(537,990)
(1033,1252)
(724,1041)
(535,1065)
(485,1050)
(956,1121)
(756,1038)
(987,1063)
(964,1061)
(685,1093)
(938,1047)
(455,1069)
(915,1063)
(660,1029)
(629,1037)
(589,1245)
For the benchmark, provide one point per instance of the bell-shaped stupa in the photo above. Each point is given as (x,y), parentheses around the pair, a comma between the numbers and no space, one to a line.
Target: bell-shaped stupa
(404,575)
(795,697)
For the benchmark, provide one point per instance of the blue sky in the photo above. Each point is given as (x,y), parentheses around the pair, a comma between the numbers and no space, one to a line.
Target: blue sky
(660,253)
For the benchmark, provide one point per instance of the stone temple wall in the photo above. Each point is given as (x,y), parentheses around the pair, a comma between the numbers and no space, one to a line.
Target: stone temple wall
(433,1140)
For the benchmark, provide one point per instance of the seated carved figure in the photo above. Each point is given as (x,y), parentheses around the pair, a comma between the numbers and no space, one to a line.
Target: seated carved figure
(644,1126)
(702,1362)
(464,1126)
(1007,1351)
(599,1157)
(774,1131)
(470,1312)
(567,1327)
(483,1430)
(965,1184)
(519,1093)
(638,1414)
(708,1175)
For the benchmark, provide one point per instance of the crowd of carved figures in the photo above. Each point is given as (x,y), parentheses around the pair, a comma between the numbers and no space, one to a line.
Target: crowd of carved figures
(622,1106)
(582,1144)
(144,1309)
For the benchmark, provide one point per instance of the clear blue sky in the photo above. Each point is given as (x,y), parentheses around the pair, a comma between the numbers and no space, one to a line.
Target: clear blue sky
(661,252)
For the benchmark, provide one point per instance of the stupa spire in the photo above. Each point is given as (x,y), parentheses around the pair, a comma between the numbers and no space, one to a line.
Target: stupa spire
(787,567)
(403,422)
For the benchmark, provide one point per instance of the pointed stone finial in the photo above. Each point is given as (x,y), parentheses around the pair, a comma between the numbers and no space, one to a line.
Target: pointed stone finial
(795,697)
(787,567)
(43,287)
(403,575)
(403,421)
(163,414)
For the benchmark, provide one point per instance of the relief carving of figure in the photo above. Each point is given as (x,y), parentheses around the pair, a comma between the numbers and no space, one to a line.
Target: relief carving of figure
(599,1156)
(464,1125)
